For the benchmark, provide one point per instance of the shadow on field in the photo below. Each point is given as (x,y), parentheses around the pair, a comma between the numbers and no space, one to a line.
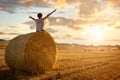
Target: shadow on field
(7,75)
(11,75)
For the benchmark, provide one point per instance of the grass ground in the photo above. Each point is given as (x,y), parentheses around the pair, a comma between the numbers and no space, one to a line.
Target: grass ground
(73,63)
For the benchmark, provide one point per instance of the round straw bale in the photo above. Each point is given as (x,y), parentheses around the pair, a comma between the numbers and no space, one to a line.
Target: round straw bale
(33,52)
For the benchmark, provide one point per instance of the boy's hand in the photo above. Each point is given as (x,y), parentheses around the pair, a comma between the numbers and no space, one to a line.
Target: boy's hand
(54,10)
(30,17)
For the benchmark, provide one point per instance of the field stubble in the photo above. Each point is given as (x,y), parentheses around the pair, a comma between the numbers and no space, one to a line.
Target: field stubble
(73,64)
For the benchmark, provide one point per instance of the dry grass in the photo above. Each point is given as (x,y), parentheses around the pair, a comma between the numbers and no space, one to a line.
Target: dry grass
(74,64)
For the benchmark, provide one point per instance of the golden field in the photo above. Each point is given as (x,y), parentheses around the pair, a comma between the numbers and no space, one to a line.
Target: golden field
(74,62)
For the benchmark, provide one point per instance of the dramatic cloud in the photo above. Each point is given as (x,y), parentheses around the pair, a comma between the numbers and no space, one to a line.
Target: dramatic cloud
(93,9)
(60,21)
(11,5)
(69,23)
(85,6)
(85,9)
(88,8)
(7,5)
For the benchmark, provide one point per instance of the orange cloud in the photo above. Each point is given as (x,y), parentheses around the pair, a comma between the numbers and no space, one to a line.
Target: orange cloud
(115,3)
(60,3)
(58,20)
(25,1)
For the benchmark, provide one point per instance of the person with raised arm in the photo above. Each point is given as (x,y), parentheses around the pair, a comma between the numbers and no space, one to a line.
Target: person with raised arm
(40,20)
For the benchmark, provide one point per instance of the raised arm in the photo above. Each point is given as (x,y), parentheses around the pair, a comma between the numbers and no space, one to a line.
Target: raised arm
(50,14)
(32,18)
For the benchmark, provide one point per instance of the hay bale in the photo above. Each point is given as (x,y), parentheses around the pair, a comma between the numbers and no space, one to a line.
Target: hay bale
(33,52)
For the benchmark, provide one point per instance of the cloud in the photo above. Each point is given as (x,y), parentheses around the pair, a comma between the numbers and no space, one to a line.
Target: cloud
(12,26)
(32,26)
(68,35)
(53,22)
(10,30)
(6,5)
(2,33)
(30,23)
(114,3)
(51,30)
(66,22)
(87,8)
(117,27)
(117,40)
(61,21)
(60,3)
(114,23)
(13,33)
(84,8)
(73,1)
(97,9)
(74,27)
(78,38)
(11,5)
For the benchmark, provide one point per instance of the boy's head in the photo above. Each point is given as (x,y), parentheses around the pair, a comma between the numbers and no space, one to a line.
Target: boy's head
(39,15)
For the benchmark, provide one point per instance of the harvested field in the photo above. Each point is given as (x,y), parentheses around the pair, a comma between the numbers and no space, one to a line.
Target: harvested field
(74,63)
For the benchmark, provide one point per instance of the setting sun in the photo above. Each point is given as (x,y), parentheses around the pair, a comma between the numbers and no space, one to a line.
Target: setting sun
(97,37)
(94,35)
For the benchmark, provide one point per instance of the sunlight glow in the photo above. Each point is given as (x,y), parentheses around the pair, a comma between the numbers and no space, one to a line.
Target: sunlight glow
(94,34)
(97,37)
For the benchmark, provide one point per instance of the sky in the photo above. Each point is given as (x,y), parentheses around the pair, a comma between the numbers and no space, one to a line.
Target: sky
(83,22)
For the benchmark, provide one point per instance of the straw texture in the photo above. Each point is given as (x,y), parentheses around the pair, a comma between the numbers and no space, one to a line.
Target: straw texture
(33,52)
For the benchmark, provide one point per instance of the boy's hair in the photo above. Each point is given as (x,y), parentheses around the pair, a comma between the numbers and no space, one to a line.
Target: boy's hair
(39,15)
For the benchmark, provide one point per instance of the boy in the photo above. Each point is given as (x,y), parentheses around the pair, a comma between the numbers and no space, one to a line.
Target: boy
(40,21)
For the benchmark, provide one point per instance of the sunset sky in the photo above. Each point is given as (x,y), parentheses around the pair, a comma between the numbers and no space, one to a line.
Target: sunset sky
(75,21)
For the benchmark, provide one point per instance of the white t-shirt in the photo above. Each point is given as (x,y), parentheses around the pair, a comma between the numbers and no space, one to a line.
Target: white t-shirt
(39,24)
